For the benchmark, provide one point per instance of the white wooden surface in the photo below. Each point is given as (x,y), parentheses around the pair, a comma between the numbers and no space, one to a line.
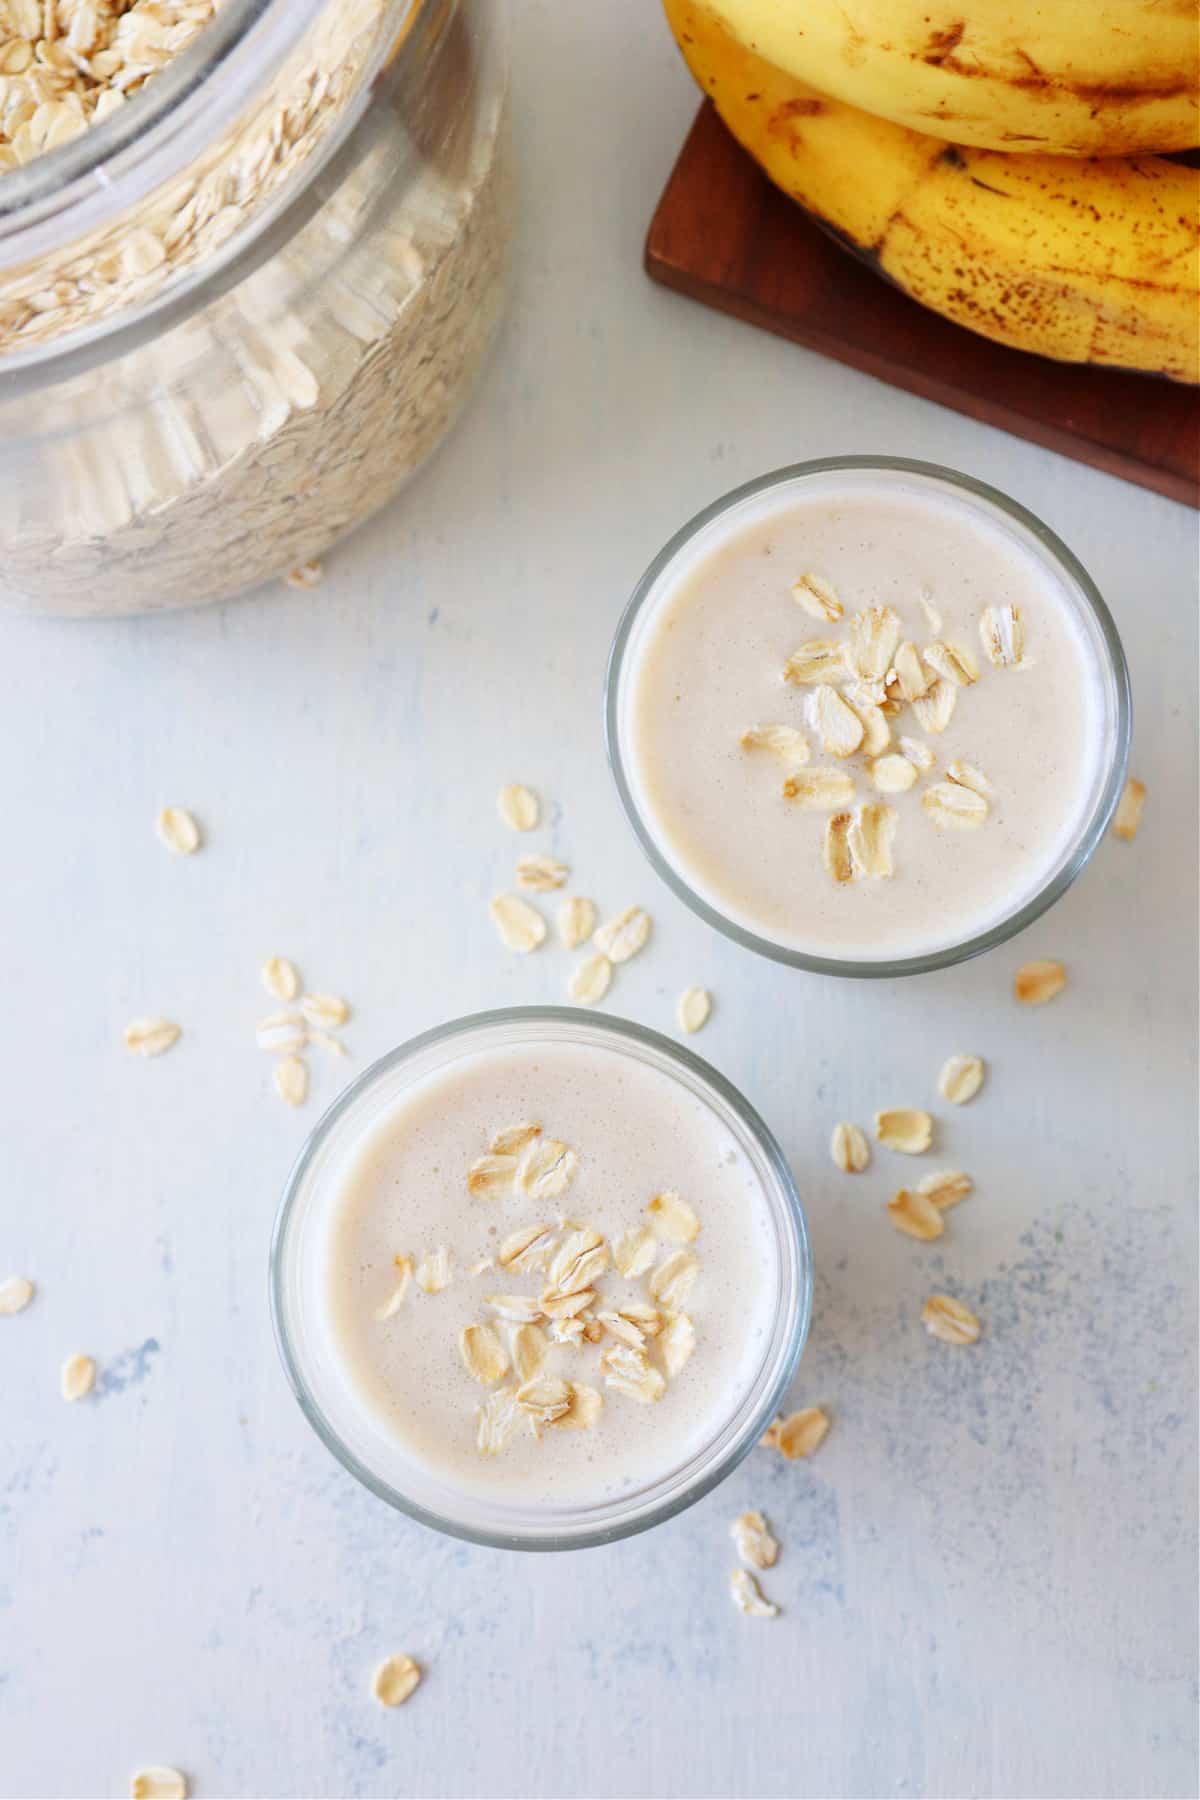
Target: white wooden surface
(988,1570)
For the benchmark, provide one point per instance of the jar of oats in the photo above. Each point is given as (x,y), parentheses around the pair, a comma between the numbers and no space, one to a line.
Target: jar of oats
(252,256)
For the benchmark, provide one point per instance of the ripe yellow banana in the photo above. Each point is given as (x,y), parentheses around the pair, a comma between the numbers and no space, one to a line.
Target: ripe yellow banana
(1054,77)
(1086,261)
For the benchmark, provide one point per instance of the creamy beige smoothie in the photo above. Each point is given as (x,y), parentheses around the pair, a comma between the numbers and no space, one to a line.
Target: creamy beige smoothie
(547,1275)
(863,718)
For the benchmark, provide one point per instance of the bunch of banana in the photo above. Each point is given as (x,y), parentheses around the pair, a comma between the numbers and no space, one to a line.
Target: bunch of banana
(1078,257)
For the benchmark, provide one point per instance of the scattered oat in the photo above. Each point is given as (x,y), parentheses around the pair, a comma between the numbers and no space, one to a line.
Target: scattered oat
(950,1320)
(835,723)
(629,1371)
(305,575)
(496,1421)
(1037,982)
(590,980)
(157,1782)
(911,674)
(150,1037)
(519,807)
(395,1680)
(78,1377)
(520,926)
(892,774)
(945,1189)
(528,1249)
(623,936)
(781,740)
(483,1354)
(325,1041)
(799,1435)
(280,978)
(904,1128)
(961,1079)
(819,659)
(291,1080)
(634,1252)
(325,1010)
(821,789)
(576,921)
(915,1215)
(935,709)
(919,755)
(871,642)
(755,1545)
(178,830)
(849,1149)
(672,1218)
(748,1596)
(395,1300)
(281,1033)
(1002,632)
(541,873)
(693,1009)
(817,598)
(676,1342)
(546,1169)
(673,1280)
(836,847)
(529,1348)
(869,840)
(433,1272)
(15,1295)
(953,807)
(951,663)
(1128,815)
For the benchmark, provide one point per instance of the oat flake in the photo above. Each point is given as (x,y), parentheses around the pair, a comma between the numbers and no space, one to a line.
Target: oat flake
(961,1079)
(291,1080)
(1128,815)
(622,937)
(150,1037)
(520,927)
(576,921)
(948,1319)
(157,1782)
(905,1128)
(748,1596)
(1037,982)
(849,1149)
(518,807)
(799,1435)
(178,830)
(280,978)
(590,980)
(755,1545)
(693,1009)
(395,1680)
(78,1377)
(15,1295)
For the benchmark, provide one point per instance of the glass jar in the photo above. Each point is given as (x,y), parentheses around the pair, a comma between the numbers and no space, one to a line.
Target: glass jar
(314,1364)
(238,313)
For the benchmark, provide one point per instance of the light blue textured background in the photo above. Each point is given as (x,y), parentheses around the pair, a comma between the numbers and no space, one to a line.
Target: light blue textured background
(988,1571)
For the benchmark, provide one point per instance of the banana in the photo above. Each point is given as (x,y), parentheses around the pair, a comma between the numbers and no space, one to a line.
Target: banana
(1086,261)
(1053,77)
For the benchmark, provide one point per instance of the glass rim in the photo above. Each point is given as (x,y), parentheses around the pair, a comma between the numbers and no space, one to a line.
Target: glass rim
(759,1407)
(1091,833)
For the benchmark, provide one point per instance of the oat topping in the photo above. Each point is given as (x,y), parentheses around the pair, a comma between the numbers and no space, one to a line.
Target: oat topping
(946,1188)
(783,741)
(755,1545)
(78,1377)
(953,807)
(1128,815)
(519,1309)
(748,1597)
(529,1346)
(491,1174)
(178,830)
(514,1139)
(821,789)
(676,1342)
(576,921)
(871,642)
(519,807)
(819,659)
(915,1215)
(581,1259)
(546,1169)
(672,1218)
(583,1409)
(327,1011)
(966,775)
(904,1128)
(872,716)
(634,1252)
(590,979)
(837,725)
(799,1435)
(521,928)
(961,1079)
(935,709)
(919,755)
(541,873)
(324,1041)
(1002,633)
(291,1080)
(911,674)
(395,1300)
(950,1320)
(280,978)
(544,1398)
(496,1420)
(892,774)
(433,1272)
(395,1680)
(527,1250)
(869,839)
(157,1782)
(836,849)
(933,617)
(483,1354)
(15,1295)
(849,1149)
(673,1280)
(1037,982)
(817,598)
(281,1033)
(951,663)
(693,1009)
(629,1371)
(150,1037)
(623,936)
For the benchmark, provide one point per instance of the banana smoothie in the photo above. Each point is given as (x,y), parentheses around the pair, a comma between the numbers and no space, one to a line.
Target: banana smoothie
(864,715)
(547,1275)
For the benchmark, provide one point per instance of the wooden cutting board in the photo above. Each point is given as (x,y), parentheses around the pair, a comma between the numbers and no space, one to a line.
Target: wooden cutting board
(724,235)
